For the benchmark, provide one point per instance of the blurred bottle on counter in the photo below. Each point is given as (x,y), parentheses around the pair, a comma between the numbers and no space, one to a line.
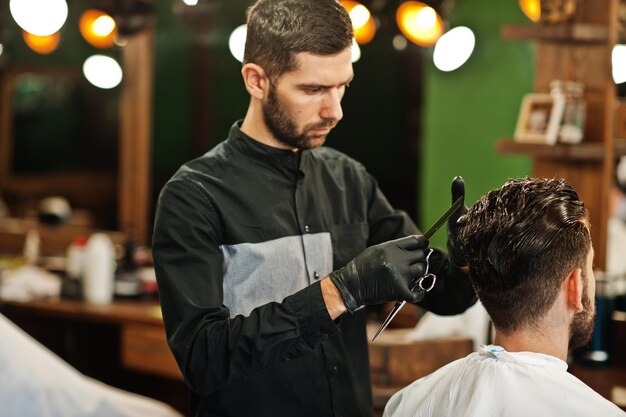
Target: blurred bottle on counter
(32,246)
(127,280)
(72,287)
(99,270)
(135,277)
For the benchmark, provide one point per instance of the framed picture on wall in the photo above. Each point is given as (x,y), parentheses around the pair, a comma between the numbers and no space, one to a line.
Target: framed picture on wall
(539,119)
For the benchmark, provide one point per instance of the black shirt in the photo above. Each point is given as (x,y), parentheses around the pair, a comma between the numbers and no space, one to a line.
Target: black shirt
(243,235)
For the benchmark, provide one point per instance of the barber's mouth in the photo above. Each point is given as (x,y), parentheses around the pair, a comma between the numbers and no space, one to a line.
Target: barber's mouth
(322,131)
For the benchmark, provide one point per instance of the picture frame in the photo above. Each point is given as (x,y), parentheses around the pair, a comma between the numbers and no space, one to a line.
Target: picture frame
(539,119)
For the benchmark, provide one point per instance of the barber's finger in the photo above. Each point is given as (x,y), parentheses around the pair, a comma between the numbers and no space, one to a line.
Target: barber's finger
(412,242)
(416,296)
(458,191)
(458,188)
(417,269)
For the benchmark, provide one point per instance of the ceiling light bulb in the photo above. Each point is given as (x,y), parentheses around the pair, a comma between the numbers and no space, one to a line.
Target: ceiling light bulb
(102,71)
(237,42)
(43,45)
(39,17)
(97,28)
(426,18)
(362,21)
(531,8)
(103,25)
(454,48)
(359,16)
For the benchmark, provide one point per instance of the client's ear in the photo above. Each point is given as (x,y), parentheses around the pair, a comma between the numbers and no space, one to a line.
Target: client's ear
(574,288)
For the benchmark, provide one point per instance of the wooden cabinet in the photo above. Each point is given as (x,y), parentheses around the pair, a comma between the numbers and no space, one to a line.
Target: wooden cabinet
(578,49)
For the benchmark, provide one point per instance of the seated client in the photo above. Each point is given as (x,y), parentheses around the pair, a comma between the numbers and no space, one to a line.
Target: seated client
(530,257)
(34,382)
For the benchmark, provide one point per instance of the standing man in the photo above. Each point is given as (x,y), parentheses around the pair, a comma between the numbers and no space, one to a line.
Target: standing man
(262,244)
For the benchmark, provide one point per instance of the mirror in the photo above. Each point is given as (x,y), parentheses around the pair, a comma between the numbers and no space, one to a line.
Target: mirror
(61,136)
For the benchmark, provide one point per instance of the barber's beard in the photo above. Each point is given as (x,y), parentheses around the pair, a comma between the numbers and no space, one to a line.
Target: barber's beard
(284,128)
(581,327)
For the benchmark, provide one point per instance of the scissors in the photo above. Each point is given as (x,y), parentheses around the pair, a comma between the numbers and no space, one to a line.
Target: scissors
(427,281)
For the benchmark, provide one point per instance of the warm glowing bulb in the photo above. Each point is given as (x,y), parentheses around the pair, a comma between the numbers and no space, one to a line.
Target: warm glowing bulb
(359,16)
(42,44)
(419,22)
(103,26)
(426,18)
(98,28)
(362,21)
(531,8)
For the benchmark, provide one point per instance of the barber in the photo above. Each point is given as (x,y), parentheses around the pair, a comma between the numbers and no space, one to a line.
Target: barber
(265,242)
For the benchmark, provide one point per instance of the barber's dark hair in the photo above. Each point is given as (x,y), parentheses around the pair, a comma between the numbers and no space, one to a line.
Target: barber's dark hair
(521,241)
(279,29)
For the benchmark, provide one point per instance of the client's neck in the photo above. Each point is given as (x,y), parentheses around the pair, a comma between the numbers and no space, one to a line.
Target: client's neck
(549,341)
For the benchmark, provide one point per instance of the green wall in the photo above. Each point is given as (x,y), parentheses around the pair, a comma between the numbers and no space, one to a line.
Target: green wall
(467,110)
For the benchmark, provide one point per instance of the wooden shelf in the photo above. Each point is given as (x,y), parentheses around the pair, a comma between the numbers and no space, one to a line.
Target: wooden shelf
(569,33)
(620,147)
(592,152)
(581,152)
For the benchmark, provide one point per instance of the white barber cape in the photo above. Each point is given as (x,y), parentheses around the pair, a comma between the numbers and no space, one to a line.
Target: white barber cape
(495,383)
(36,383)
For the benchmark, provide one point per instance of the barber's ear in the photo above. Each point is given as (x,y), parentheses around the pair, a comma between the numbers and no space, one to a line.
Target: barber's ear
(574,287)
(255,80)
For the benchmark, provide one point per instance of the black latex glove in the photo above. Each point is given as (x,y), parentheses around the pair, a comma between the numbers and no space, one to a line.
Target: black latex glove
(382,273)
(454,250)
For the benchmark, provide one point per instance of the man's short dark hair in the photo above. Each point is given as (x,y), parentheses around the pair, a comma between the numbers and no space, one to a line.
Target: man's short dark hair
(521,241)
(280,29)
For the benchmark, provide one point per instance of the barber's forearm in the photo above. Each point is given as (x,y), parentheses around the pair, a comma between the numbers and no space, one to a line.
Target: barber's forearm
(332,298)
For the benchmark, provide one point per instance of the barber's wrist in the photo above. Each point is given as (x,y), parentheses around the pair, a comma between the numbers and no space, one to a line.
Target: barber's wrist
(344,282)
(332,298)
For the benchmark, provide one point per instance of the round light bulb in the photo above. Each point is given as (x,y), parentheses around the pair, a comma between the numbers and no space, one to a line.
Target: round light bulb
(103,25)
(39,17)
(237,42)
(454,48)
(102,71)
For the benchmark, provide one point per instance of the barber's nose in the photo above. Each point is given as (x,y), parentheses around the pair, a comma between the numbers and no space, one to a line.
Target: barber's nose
(331,106)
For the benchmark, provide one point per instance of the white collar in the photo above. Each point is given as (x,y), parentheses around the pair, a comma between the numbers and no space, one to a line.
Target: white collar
(528,358)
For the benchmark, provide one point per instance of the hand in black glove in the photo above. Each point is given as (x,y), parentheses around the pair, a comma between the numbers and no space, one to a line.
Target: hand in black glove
(454,250)
(382,273)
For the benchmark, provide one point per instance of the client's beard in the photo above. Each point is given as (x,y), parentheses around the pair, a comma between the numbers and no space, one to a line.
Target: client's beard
(581,327)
